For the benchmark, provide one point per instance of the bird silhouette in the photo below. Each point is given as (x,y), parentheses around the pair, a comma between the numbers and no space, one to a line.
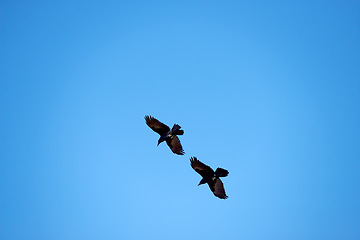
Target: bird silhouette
(170,136)
(210,177)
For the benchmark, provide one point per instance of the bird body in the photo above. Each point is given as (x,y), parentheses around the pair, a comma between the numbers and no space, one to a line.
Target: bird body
(167,134)
(171,133)
(210,177)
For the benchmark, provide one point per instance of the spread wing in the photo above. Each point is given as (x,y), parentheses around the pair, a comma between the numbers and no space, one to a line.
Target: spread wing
(156,125)
(175,145)
(204,170)
(218,189)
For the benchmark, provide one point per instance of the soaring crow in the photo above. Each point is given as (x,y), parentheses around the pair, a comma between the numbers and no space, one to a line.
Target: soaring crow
(166,134)
(210,177)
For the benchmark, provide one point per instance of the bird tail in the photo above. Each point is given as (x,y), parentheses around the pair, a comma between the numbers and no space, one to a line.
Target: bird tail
(176,130)
(220,172)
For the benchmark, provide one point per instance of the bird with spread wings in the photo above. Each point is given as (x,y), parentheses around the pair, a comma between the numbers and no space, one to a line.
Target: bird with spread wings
(210,177)
(167,134)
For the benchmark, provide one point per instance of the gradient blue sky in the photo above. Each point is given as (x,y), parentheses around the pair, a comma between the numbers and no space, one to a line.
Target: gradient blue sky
(269,90)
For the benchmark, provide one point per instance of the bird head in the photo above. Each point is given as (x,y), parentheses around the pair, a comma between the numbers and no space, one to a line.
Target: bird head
(202,181)
(161,139)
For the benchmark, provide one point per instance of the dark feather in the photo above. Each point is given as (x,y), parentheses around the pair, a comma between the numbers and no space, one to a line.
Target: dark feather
(220,172)
(156,125)
(204,170)
(176,130)
(217,188)
(175,145)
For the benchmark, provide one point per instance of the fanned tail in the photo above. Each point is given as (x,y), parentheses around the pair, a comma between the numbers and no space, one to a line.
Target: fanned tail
(176,130)
(220,172)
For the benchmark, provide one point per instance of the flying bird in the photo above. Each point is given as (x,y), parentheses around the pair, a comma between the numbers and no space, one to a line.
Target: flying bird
(170,136)
(210,177)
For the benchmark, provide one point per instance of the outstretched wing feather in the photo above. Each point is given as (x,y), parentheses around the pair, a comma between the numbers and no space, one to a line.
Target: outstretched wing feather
(204,170)
(175,145)
(156,125)
(218,189)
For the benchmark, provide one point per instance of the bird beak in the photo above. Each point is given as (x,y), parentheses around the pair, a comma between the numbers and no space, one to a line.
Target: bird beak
(158,144)
(199,184)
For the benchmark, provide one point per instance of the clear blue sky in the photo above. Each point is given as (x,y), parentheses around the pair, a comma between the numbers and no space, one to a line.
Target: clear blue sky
(269,90)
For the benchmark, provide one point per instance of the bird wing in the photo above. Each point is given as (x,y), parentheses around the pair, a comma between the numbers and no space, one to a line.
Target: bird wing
(218,189)
(175,145)
(204,170)
(156,125)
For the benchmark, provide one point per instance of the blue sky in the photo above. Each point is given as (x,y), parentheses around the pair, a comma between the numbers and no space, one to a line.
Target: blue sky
(268,90)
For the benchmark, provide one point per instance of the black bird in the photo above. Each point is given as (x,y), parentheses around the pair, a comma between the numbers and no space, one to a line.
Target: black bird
(166,134)
(210,177)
